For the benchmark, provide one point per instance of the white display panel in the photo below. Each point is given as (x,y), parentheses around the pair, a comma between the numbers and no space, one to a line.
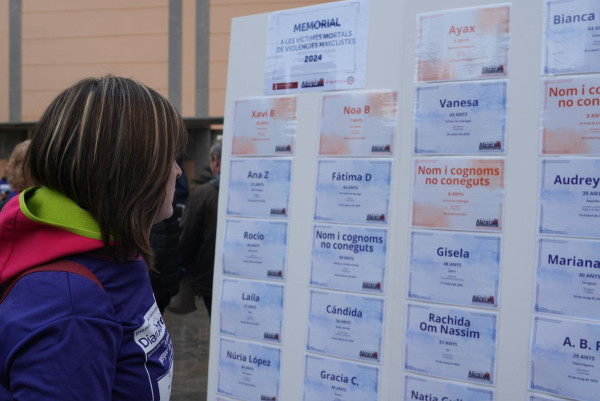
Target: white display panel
(391,55)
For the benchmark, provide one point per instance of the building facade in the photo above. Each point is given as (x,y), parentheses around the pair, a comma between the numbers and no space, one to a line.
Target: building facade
(178,47)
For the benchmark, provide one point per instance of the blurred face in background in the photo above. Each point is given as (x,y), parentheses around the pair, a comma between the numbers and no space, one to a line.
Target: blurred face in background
(215,165)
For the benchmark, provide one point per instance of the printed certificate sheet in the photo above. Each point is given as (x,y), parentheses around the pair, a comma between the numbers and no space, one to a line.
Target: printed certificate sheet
(345,325)
(461,118)
(424,388)
(321,47)
(349,258)
(568,277)
(255,248)
(251,309)
(353,191)
(454,268)
(458,193)
(264,126)
(538,397)
(259,187)
(564,358)
(570,197)
(248,371)
(452,343)
(468,43)
(571,115)
(358,123)
(327,379)
(571,37)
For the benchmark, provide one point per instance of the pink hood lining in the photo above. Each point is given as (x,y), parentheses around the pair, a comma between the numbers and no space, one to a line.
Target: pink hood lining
(25,243)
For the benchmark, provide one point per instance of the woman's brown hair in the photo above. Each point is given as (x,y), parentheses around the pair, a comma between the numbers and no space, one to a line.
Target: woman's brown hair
(16,175)
(109,145)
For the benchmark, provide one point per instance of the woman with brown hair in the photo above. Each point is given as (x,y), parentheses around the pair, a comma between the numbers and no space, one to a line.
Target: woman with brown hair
(103,161)
(16,175)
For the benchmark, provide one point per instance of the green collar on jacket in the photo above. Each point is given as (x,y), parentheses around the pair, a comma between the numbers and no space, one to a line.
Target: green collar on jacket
(46,206)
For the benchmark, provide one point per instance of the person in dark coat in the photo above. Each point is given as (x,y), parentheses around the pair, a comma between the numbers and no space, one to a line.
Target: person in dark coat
(197,241)
(164,239)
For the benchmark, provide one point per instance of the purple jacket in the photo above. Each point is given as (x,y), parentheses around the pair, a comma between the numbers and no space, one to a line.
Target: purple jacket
(62,337)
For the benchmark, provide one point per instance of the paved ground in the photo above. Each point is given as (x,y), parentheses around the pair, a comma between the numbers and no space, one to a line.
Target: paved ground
(190,335)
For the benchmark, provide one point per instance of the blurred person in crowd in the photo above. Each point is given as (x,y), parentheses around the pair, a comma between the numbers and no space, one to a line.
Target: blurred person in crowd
(4,188)
(197,241)
(87,327)
(164,239)
(16,176)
